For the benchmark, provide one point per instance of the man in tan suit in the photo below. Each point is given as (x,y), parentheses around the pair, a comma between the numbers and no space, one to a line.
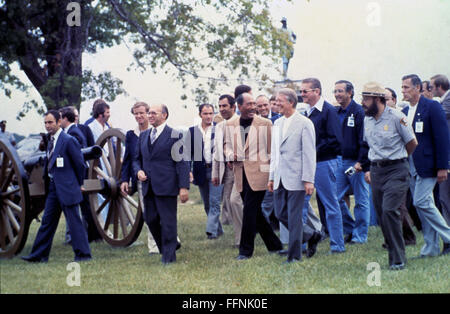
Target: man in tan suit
(247,146)
(222,172)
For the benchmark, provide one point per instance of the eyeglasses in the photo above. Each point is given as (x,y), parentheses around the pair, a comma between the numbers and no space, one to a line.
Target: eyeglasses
(304,91)
(338,91)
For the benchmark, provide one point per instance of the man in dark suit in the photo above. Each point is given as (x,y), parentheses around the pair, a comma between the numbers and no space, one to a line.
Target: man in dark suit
(201,138)
(69,120)
(64,170)
(164,175)
(428,163)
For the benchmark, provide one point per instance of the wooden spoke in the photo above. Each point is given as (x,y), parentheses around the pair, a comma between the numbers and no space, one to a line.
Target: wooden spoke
(107,165)
(108,219)
(105,202)
(111,157)
(8,180)
(123,220)
(12,219)
(10,192)
(116,220)
(118,158)
(128,212)
(131,201)
(13,205)
(101,173)
(8,230)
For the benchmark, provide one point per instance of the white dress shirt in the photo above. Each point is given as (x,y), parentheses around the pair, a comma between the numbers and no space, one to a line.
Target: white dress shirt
(318,106)
(206,142)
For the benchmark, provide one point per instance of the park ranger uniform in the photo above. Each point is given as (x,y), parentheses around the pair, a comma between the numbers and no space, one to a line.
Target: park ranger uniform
(389,172)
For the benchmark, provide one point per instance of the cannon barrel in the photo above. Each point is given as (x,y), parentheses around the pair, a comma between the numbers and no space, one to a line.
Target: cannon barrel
(89,153)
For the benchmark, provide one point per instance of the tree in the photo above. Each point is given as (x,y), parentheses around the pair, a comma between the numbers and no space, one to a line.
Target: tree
(234,39)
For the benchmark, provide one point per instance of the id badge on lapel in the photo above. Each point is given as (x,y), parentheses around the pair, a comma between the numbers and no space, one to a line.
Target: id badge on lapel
(59,162)
(419,127)
(351,121)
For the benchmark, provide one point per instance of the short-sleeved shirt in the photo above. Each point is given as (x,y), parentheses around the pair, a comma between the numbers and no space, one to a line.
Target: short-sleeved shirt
(388,135)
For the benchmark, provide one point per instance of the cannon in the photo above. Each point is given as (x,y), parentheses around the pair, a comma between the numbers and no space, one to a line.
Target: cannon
(22,194)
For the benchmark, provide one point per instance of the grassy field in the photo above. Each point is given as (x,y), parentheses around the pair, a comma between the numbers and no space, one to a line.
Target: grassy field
(209,267)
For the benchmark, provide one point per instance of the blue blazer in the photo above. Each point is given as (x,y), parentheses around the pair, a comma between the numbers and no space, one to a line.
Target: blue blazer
(69,178)
(166,172)
(432,152)
(131,142)
(75,131)
(328,132)
(87,132)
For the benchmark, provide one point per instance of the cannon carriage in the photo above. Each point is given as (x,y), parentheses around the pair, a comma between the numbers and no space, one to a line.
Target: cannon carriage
(22,194)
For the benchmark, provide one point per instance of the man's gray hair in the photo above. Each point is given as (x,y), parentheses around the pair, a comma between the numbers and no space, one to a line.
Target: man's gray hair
(290,94)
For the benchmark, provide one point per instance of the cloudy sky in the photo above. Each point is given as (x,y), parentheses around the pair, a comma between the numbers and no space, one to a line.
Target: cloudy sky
(356,40)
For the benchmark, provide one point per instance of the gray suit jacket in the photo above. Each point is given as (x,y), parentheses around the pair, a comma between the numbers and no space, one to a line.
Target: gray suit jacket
(293,156)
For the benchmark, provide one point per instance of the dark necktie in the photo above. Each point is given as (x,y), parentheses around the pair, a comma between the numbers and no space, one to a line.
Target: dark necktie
(50,147)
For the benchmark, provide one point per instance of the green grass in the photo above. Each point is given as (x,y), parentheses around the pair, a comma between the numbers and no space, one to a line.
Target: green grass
(206,266)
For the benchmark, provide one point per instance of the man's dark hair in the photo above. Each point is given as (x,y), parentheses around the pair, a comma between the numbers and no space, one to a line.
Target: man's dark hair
(54,113)
(239,90)
(200,108)
(69,113)
(442,81)
(348,87)
(315,83)
(394,95)
(99,109)
(415,80)
(240,100)
(428,85)
(230,98)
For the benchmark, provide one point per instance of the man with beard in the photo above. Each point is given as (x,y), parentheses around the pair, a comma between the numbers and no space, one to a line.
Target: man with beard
(390,139)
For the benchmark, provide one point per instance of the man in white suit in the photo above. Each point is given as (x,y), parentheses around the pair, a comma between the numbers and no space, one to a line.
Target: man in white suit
(292,171)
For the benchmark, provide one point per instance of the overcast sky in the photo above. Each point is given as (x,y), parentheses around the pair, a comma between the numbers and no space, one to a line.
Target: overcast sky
(356,40)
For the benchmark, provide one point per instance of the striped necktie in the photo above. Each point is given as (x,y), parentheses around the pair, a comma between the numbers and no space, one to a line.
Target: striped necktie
(153,136)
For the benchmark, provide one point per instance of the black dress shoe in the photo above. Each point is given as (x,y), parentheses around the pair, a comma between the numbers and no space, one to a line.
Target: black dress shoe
(242,257)
(31,259)
(397,266)
(446,249)
(348,238)
(282,252)
(312,244)
(178,246)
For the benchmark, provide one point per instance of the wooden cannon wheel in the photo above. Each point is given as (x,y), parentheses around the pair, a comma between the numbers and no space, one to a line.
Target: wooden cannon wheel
(118,217)
(14,201)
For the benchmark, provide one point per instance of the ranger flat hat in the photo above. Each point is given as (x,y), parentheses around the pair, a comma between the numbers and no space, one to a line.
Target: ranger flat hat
(374,89)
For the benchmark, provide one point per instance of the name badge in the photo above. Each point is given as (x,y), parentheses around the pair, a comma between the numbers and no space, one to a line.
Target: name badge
(419,127)
(59,162)
(351,121)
